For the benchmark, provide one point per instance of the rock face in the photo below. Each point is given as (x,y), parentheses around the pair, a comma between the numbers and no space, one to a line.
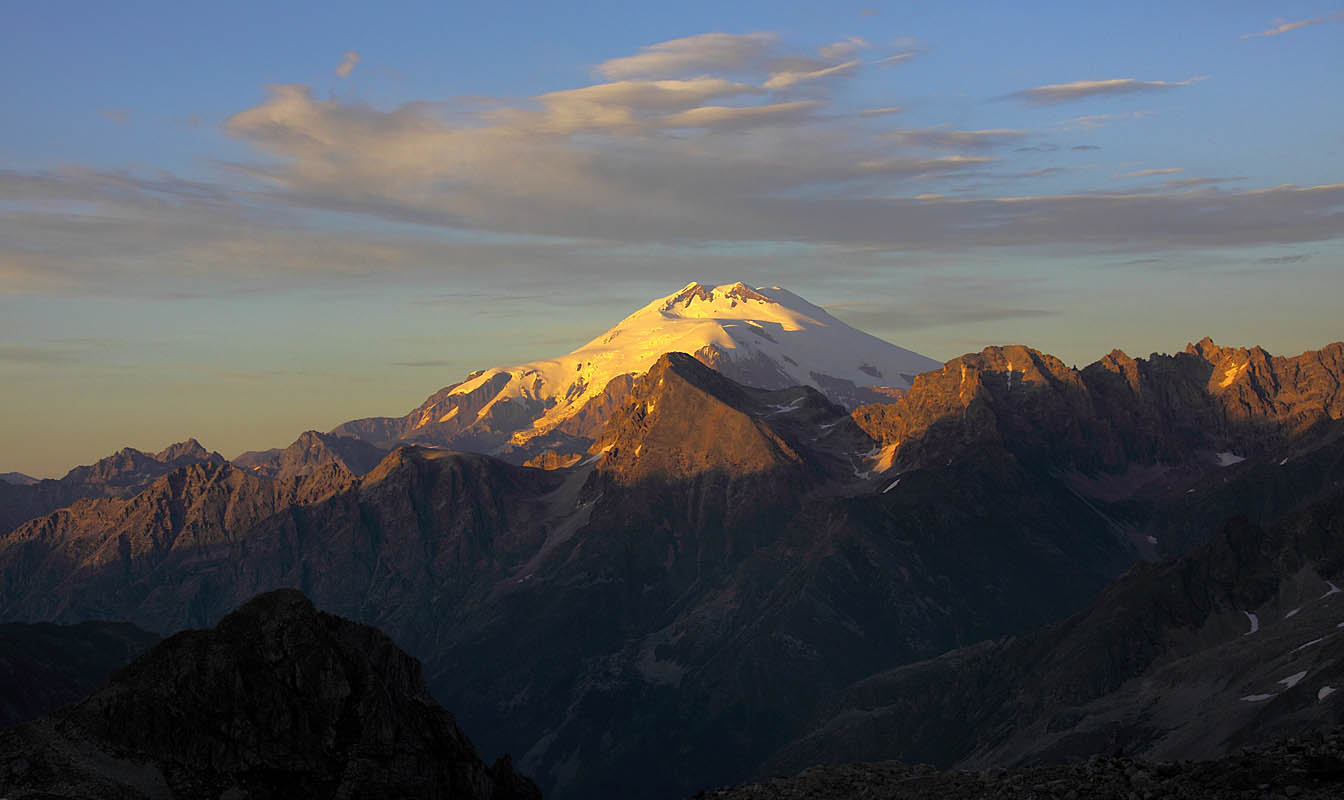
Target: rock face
(45,666)
(1235,643)
(121,474)
(1116,411)
(278,700)
(309,453)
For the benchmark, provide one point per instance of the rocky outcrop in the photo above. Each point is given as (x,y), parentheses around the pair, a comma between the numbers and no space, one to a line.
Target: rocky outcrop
(310,452)
(277,700)
(121,474)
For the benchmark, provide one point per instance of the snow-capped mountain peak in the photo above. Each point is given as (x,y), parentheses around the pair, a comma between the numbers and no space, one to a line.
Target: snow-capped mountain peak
(764,336)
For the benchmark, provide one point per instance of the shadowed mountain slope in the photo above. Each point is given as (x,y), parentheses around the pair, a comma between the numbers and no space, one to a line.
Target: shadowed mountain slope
(44,666)
(1237,642)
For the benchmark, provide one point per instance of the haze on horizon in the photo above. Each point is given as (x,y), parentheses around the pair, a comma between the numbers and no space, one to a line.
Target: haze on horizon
(237,223)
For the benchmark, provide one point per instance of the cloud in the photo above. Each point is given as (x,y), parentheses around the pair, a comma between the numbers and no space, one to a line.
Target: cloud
(620,104)
(898,58)
(945,138)
(843,49)
(1056,93)
(879,112)
(783,80)
(1093,121)
(1144,173)
(1194,183)
(621,185)
(728,116)
(1282,27)
(703,53)
(622,176)
(1293,259)
(1085,147)
(117,116)
(351,59)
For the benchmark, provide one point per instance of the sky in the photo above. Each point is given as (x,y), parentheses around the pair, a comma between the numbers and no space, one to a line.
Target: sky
(240,221)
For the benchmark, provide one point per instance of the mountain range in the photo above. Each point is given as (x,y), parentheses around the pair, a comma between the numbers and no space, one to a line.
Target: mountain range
(716,576)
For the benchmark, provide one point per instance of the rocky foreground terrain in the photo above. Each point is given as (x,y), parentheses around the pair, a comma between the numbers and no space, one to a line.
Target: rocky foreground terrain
(1307,768)
(277,701)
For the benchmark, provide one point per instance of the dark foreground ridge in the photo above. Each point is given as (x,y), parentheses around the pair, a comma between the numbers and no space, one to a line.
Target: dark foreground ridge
(1307,768)
(278,700)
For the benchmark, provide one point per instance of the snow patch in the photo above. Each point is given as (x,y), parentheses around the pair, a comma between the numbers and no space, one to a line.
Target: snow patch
(1325,692)
(1294,679)
(1310,643)
(1231,373)
(1285,461)
(1152,540)
(1228,458)
(1292,613)
(1333,589)
(786,408)
(1255,623)
(892,486)
(1257,698)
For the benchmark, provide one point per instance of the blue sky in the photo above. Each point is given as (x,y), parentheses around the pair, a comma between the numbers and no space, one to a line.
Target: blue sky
(240,221)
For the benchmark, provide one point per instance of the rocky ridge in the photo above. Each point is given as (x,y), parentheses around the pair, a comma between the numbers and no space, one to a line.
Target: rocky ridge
(121,474)
(309,453)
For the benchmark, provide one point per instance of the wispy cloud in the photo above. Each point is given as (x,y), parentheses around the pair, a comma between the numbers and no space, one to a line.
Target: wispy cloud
(1090,122)
(117,116)
(1282,27)
(783,80)
(1195,183)
(844,49)
(1144,173)
(703,53)
(946,138)
(1055,93)
(349,61)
